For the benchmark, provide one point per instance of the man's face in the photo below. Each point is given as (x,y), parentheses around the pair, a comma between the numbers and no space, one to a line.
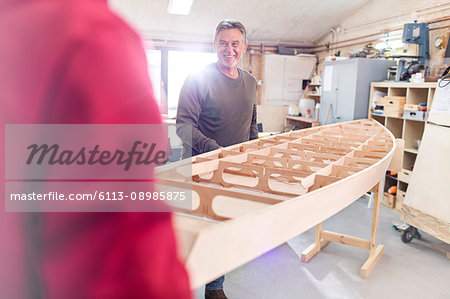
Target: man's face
(229,47)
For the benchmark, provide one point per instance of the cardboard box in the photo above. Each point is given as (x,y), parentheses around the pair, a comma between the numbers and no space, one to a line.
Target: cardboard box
(390,100)
(388,200)
(411,107)
(417,115)
(392,106)
(405,175)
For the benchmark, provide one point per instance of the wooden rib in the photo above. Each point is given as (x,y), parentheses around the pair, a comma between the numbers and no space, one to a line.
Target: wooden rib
(319,157)
(285,138)
(263,175)
(316,142)
(322,181)
(255,171)
(288,174)
(224,153)
(382,149)
(287,153)
(342,144)
(249,147)
(267,160)
(305,165)
(289,164)
(335,139)
(207,193)
(366,154)
(319,148)
(377,143)
(201,160)
(303,147)
(303,133)
(344,171)
(359,162)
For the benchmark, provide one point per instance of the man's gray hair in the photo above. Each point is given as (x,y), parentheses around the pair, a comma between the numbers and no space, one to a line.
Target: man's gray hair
(231,24)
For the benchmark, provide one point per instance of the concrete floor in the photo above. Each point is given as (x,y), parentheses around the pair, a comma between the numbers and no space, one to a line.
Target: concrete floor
(411,270)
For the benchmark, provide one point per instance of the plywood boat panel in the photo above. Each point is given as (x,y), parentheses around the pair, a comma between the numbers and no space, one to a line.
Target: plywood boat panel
(244,238)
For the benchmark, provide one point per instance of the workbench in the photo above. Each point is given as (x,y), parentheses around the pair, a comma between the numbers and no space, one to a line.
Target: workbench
(300,122)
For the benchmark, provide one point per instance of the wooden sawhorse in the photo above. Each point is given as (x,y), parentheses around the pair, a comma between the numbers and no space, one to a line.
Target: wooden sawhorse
(323,237)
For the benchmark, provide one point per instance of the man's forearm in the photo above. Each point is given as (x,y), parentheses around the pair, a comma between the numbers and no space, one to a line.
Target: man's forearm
(194,138)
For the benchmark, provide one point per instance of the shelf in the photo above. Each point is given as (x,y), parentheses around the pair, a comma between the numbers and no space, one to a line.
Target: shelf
(397,117)
(383,115)
(303,119)
(418,120)
(400,180)
(411,150)
(416,95)
(379,118)
(412,133)
(410,130)
(397,92)
(408,160)
(402,186)
(392,84)
(395,125)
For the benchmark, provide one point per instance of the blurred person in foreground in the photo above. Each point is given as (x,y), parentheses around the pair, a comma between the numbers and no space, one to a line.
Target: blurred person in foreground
(76,62)
(217,106)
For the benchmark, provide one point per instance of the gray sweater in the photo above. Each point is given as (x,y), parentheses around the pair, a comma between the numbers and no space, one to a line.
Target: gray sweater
(215,110)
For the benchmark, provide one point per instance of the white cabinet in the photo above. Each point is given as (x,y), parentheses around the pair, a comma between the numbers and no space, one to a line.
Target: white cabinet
(283,77)
(346,85)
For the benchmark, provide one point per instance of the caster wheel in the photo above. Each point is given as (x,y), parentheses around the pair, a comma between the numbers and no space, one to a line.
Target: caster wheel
(417,235)
(408,234)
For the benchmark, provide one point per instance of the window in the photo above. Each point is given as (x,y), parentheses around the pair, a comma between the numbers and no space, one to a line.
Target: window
(180,65)
(175,66)
(154,70)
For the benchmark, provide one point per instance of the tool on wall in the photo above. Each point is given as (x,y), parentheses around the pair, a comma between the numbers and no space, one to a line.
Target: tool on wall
(414,33)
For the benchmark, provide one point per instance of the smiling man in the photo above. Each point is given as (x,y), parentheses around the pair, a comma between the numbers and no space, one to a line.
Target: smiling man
(217,106)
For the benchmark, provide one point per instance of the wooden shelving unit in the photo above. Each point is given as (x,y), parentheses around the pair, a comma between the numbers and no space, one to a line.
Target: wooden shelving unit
(313,91)
(408,129)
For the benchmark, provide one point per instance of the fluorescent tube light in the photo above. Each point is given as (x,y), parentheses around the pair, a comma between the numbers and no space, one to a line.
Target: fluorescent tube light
(179,7)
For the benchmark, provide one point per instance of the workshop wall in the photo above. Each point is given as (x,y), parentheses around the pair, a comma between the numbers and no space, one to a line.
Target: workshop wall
(369,24)
(271,117)
(253,63)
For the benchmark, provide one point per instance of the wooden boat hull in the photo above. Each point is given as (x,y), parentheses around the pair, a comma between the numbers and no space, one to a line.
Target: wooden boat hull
(213,245)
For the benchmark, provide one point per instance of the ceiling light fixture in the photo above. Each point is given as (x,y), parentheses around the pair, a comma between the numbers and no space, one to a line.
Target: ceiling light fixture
(179,7)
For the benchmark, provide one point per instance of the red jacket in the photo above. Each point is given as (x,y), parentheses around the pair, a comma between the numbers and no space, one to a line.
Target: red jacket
(76,62)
